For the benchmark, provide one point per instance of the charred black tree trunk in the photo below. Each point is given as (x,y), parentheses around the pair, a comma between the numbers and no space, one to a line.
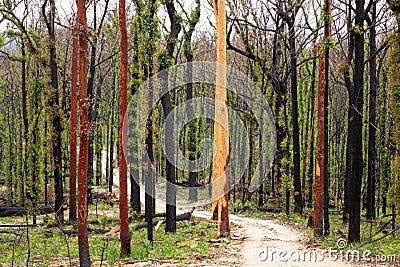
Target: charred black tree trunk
(167,107)
(355,137)
(350,116)
(49,18)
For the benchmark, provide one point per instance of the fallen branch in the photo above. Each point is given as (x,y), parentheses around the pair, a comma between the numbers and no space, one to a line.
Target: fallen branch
(90,230)
(380,238)
(181,217)
(75,232)
(158,215)
(16,225)
(19,211)
(269,209)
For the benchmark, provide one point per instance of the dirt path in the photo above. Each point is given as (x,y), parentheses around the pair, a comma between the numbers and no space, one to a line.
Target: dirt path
(268,243)
(264,242)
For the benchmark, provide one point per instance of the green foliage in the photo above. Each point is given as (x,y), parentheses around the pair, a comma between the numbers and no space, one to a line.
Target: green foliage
(358,30)
(394,86)
(394,89)
(48,245)
(2,40)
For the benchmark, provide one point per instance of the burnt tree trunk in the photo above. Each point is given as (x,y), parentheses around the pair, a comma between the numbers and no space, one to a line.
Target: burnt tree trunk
(373,88)
(123,171)
(73,128)
(49,18)
(355,135)
(350,115)
(298,199)
(84,103)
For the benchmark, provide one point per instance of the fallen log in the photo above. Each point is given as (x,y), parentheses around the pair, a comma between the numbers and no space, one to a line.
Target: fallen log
(90,230)
(17,225)
(157,215)
(19,211)
(181,217)
(266,209)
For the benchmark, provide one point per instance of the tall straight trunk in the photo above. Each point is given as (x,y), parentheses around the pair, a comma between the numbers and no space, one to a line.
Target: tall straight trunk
(54,104)
(298,199)
(188,52)
(123,104)
(111,142)
(28,160)
(134,172)
(99,152)
(46,175)
(373,88)
(355,136)
(92,70)
(328,33)
(25,117)
(73,128)
(350,115)
(167,107)
(149,180)
(320,160)
(84,104)
(311,152)
(221,137)
(11,167)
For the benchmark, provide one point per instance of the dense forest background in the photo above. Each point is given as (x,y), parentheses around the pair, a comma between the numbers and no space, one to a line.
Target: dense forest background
(280,45)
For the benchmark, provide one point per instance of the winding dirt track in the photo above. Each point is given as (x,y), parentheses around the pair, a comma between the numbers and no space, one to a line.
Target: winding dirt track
(268,243)
(260,242)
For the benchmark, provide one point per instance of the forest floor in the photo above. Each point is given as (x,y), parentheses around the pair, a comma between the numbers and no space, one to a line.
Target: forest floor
(269,242)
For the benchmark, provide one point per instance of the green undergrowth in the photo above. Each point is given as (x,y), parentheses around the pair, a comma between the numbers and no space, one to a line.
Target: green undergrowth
(48,245)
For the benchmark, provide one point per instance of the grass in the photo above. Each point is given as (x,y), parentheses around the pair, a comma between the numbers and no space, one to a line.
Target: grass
(49,246)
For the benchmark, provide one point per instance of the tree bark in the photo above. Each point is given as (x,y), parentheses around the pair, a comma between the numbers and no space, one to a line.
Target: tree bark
(355,136)
(167,107)
(298,199)
(54,104)
(328,34)
(73,127)
(320,160)
(84,103)
(373,88)
(123,172)
(221,136)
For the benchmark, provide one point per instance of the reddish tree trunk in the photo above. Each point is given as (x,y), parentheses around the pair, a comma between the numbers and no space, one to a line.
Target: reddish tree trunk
(72,130)
(320,170)
(321,219)
(84,104)
(123,188)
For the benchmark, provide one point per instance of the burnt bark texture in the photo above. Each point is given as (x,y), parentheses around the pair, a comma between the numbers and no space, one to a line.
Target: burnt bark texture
(53,101)
(355,146)
(123,172)
(84,103)
(175,29)
(73,127)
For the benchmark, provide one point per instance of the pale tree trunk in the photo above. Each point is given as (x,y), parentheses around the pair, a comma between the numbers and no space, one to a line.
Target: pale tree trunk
(221,136)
